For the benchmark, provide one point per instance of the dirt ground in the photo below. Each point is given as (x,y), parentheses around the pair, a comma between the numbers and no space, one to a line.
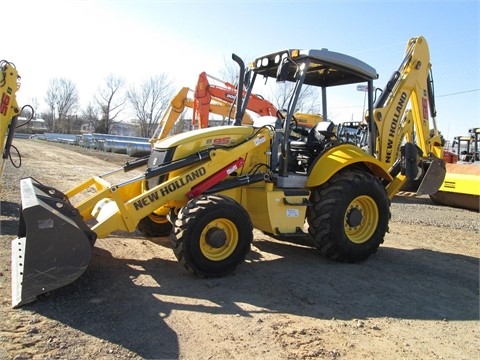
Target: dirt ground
(417,298)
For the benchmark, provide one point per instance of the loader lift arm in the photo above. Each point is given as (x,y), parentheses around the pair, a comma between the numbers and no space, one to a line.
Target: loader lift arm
(111,207)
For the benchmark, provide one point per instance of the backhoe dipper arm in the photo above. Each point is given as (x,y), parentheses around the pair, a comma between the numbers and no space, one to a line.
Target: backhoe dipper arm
(406,141)
(411,84)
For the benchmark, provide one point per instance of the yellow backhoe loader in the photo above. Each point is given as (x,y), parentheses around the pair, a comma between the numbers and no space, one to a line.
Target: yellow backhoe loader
(209,188)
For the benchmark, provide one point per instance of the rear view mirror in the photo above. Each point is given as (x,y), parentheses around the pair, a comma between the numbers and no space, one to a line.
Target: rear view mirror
(247,78)
(282,70)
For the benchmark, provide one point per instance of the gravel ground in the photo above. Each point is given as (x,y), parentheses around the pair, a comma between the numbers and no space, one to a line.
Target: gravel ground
(422,211)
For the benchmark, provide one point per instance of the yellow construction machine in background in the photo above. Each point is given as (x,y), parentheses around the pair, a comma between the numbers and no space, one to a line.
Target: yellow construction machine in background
(9,110)
(461,187)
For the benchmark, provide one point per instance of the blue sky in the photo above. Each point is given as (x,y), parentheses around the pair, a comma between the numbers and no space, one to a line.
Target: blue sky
(85,41)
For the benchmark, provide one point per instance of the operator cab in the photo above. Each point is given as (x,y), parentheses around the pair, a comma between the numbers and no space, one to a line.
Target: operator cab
(319,68)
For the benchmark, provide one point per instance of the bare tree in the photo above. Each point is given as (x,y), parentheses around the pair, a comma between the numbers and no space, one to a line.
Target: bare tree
(180,125)
(230,72)
(150,101)
(308,100)
(111,103)
(62,99)
(91,115)
(34,104)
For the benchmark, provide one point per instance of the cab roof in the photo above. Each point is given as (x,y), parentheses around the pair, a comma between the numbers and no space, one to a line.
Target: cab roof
(325,68)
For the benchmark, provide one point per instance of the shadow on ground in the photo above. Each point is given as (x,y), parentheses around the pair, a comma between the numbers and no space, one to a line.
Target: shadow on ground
(9,212)
(396,283)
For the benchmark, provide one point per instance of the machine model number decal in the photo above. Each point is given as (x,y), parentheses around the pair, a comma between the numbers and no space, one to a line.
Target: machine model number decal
(165,190)
(220,141)
(425,108)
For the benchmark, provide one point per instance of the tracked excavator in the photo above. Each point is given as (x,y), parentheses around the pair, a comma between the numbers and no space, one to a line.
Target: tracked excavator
(215,99)
(225,92)
(181,101)
(210,187)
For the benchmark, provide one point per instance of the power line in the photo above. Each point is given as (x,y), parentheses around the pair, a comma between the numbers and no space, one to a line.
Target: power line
(457,93)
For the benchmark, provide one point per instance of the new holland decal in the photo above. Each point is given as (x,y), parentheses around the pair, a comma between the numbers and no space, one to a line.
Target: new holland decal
(394,126)
(168,188)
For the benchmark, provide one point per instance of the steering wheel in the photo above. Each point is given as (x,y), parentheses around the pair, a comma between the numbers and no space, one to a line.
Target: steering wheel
(281,115)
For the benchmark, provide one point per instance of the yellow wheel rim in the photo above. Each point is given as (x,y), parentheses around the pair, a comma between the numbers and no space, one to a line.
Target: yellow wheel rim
(219,239)
(361,219)
(158,219)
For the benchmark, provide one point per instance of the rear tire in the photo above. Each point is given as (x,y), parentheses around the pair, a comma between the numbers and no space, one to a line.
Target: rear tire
(349,216)
(212,235)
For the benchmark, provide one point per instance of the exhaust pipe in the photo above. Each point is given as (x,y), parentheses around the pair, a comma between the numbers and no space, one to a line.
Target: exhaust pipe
(54,245)
(239,113)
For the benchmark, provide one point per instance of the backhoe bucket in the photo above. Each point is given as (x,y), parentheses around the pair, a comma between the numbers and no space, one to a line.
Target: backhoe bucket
(433,179)
(53,247)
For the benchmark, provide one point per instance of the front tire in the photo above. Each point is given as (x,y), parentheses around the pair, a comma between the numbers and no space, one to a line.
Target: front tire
(349,216)
(154,225)
(212,235)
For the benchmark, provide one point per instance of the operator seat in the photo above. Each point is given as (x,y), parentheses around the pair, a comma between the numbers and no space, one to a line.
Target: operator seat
(321,131)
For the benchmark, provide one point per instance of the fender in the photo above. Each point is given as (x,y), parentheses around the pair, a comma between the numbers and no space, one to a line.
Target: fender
(339,157)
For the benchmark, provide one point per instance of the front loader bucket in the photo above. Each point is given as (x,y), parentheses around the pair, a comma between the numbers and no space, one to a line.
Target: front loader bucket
(53,247)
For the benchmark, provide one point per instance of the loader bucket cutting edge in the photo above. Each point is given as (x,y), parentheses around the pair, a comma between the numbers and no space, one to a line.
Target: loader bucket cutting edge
(54,245)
